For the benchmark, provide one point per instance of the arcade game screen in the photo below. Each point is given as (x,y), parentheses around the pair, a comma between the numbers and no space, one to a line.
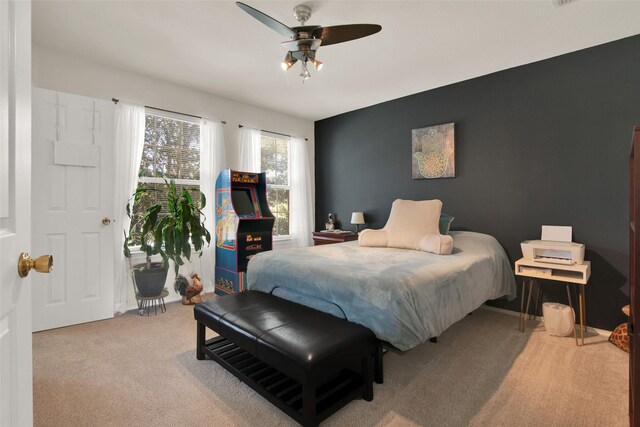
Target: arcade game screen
(242,202)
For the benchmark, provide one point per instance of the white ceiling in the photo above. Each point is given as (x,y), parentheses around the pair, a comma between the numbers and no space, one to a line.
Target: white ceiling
(216,47)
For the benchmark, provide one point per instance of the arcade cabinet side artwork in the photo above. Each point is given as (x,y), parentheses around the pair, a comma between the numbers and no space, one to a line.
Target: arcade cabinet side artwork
(244,226)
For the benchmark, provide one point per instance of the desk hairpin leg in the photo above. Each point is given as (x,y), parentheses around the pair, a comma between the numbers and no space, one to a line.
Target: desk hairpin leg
(536,301)
(539,307)
(575,334)
(521,325)
(531,282)
(526,311)
(582,309)
(584,302)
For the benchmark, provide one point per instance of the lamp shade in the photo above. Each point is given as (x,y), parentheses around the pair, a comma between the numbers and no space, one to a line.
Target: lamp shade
(357,218)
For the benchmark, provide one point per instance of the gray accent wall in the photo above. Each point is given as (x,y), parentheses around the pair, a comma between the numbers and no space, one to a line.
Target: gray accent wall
(544,143)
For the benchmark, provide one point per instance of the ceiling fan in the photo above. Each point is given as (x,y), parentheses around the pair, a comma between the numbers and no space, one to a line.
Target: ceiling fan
(306,39)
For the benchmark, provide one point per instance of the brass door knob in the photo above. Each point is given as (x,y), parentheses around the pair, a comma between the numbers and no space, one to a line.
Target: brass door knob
(42,264)
(106,221)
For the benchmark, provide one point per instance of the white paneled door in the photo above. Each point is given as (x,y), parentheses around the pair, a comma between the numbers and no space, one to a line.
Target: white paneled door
(72,208)
(16,407)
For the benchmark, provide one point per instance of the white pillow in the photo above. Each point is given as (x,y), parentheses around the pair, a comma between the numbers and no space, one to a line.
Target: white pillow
(441,244)
(411,225)
(374,238)
(409,221)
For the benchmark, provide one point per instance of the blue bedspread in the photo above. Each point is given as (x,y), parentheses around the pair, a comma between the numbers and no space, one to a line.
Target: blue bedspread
(404,296)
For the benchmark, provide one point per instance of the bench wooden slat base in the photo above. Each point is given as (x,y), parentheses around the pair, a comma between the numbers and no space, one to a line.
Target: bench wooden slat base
(277,388)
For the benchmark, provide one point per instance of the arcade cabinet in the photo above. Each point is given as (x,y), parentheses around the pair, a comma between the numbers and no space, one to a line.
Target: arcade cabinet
(244,226)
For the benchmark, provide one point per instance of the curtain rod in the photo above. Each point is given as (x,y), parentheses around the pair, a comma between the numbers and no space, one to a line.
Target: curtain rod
(116,100)
(276,133)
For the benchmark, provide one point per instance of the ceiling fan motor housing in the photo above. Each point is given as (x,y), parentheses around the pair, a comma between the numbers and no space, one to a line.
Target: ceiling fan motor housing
(305,45)
(303,55)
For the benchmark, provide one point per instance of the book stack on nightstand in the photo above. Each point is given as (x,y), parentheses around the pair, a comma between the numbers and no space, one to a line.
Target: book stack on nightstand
(329,237)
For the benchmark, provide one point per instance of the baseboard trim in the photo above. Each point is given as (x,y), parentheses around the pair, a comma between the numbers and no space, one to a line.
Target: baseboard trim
(601,332)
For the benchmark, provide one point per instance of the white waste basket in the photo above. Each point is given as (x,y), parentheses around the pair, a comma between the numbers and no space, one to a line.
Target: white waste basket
(559,319)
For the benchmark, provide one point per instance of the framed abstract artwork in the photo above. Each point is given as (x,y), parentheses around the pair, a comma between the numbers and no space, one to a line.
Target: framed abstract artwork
(433,152)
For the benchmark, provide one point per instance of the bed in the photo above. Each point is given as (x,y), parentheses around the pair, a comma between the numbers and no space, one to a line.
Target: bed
(404,296)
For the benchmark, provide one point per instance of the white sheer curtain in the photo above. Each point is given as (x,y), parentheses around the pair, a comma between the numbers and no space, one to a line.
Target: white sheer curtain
(129,142)
(249,150)
(301,209)
(212,162)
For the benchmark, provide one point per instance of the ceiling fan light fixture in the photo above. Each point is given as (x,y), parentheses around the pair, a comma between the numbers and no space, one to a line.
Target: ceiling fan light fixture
(288,62)
(316,63)
(286,65)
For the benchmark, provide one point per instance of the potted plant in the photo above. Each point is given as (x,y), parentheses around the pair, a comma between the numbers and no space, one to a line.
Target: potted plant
(170,233)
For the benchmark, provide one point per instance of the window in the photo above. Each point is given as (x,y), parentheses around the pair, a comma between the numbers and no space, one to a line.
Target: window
(171,150)
(274,160)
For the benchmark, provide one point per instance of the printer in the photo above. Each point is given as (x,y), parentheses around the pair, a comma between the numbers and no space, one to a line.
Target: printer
(555,246)
(553,252)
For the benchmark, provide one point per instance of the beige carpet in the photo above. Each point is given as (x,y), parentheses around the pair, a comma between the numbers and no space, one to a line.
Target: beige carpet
(137,371)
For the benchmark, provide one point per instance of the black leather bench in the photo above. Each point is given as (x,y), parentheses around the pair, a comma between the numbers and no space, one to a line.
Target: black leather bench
(307,363)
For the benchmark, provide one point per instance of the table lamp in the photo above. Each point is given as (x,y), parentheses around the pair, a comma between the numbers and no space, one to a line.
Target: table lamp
(357,218)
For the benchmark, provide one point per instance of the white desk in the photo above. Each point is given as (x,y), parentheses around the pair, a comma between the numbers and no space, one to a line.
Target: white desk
(533,272)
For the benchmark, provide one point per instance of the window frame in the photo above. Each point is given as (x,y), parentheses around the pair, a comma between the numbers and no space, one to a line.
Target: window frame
(177,117)
(159,180)
(281,237)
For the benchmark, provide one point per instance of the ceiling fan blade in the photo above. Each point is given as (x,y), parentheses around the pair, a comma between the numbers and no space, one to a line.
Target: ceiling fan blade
(267,20)
(344,33)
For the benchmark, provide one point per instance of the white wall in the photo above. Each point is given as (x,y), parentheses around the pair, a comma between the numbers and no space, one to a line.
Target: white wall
(62,72)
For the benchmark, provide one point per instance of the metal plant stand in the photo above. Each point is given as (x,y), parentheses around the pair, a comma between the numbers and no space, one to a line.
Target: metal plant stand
(152,303)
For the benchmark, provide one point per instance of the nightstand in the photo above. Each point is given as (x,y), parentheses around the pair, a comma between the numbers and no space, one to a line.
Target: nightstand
(329,237)
(533,272)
